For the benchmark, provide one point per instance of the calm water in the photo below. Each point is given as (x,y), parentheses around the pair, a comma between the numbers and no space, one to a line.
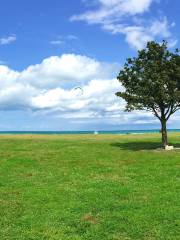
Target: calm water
(87,132)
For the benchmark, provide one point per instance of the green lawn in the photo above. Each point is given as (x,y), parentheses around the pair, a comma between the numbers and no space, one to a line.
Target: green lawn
(89,188)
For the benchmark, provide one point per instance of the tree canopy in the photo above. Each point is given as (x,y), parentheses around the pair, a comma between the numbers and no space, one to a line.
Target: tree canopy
(152,82)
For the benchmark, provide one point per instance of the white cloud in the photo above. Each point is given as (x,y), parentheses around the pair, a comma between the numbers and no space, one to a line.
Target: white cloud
(96,97)
(14,94)
(41,88)
(111,11)
(57,42)
(62,40)
(69,69)
(51,84)
(126,17)
(8,40)
(137,36)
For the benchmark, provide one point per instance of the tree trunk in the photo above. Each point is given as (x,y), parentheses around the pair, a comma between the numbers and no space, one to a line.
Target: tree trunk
(164,133)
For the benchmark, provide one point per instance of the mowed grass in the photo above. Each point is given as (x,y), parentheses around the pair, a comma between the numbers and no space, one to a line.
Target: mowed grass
(87,187)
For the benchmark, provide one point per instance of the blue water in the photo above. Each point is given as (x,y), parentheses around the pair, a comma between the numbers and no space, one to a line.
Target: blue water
(88,132)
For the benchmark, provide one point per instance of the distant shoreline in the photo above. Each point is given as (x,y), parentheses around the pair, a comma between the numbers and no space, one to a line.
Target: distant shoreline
(117,132)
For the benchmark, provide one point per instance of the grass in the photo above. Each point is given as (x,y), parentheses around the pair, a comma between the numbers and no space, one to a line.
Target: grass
(89,188)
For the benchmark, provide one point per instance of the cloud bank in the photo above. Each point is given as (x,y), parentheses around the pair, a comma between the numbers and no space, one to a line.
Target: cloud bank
(52,84)
(51,87)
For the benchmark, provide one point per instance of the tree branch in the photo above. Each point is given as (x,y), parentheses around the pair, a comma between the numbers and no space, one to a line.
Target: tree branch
(156,113)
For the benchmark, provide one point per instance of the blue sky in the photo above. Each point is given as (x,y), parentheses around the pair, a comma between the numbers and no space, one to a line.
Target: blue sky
(47,48)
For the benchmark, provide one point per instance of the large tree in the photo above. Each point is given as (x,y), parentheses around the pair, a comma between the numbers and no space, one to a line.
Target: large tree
(151,82)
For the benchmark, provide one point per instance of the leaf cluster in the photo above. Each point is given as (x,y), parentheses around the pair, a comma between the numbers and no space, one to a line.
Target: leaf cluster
(152,80)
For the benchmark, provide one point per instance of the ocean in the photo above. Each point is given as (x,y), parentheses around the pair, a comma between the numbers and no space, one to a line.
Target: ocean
(88,132)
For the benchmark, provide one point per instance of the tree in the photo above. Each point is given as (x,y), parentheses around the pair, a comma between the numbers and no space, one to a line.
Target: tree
(152,82)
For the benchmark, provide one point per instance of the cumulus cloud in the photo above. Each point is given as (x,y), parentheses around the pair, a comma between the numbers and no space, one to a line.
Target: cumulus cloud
(41,88)
(8,40)
(14,94)
(126,17)
(96,99)
(67,70)
(53,83)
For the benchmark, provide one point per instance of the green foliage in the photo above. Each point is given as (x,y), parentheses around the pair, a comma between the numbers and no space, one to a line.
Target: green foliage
(88,188)
(152,81)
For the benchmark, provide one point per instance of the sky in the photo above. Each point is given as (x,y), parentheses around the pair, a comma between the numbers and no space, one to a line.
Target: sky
(59,61)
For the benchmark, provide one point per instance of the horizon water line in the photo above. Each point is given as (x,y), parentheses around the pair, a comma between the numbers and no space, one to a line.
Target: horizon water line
(96,132)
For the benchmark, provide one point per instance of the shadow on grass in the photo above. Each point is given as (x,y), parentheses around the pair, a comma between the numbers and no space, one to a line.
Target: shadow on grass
(139,146)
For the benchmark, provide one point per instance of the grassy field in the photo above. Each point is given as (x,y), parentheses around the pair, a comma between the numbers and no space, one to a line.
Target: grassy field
(89,188)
